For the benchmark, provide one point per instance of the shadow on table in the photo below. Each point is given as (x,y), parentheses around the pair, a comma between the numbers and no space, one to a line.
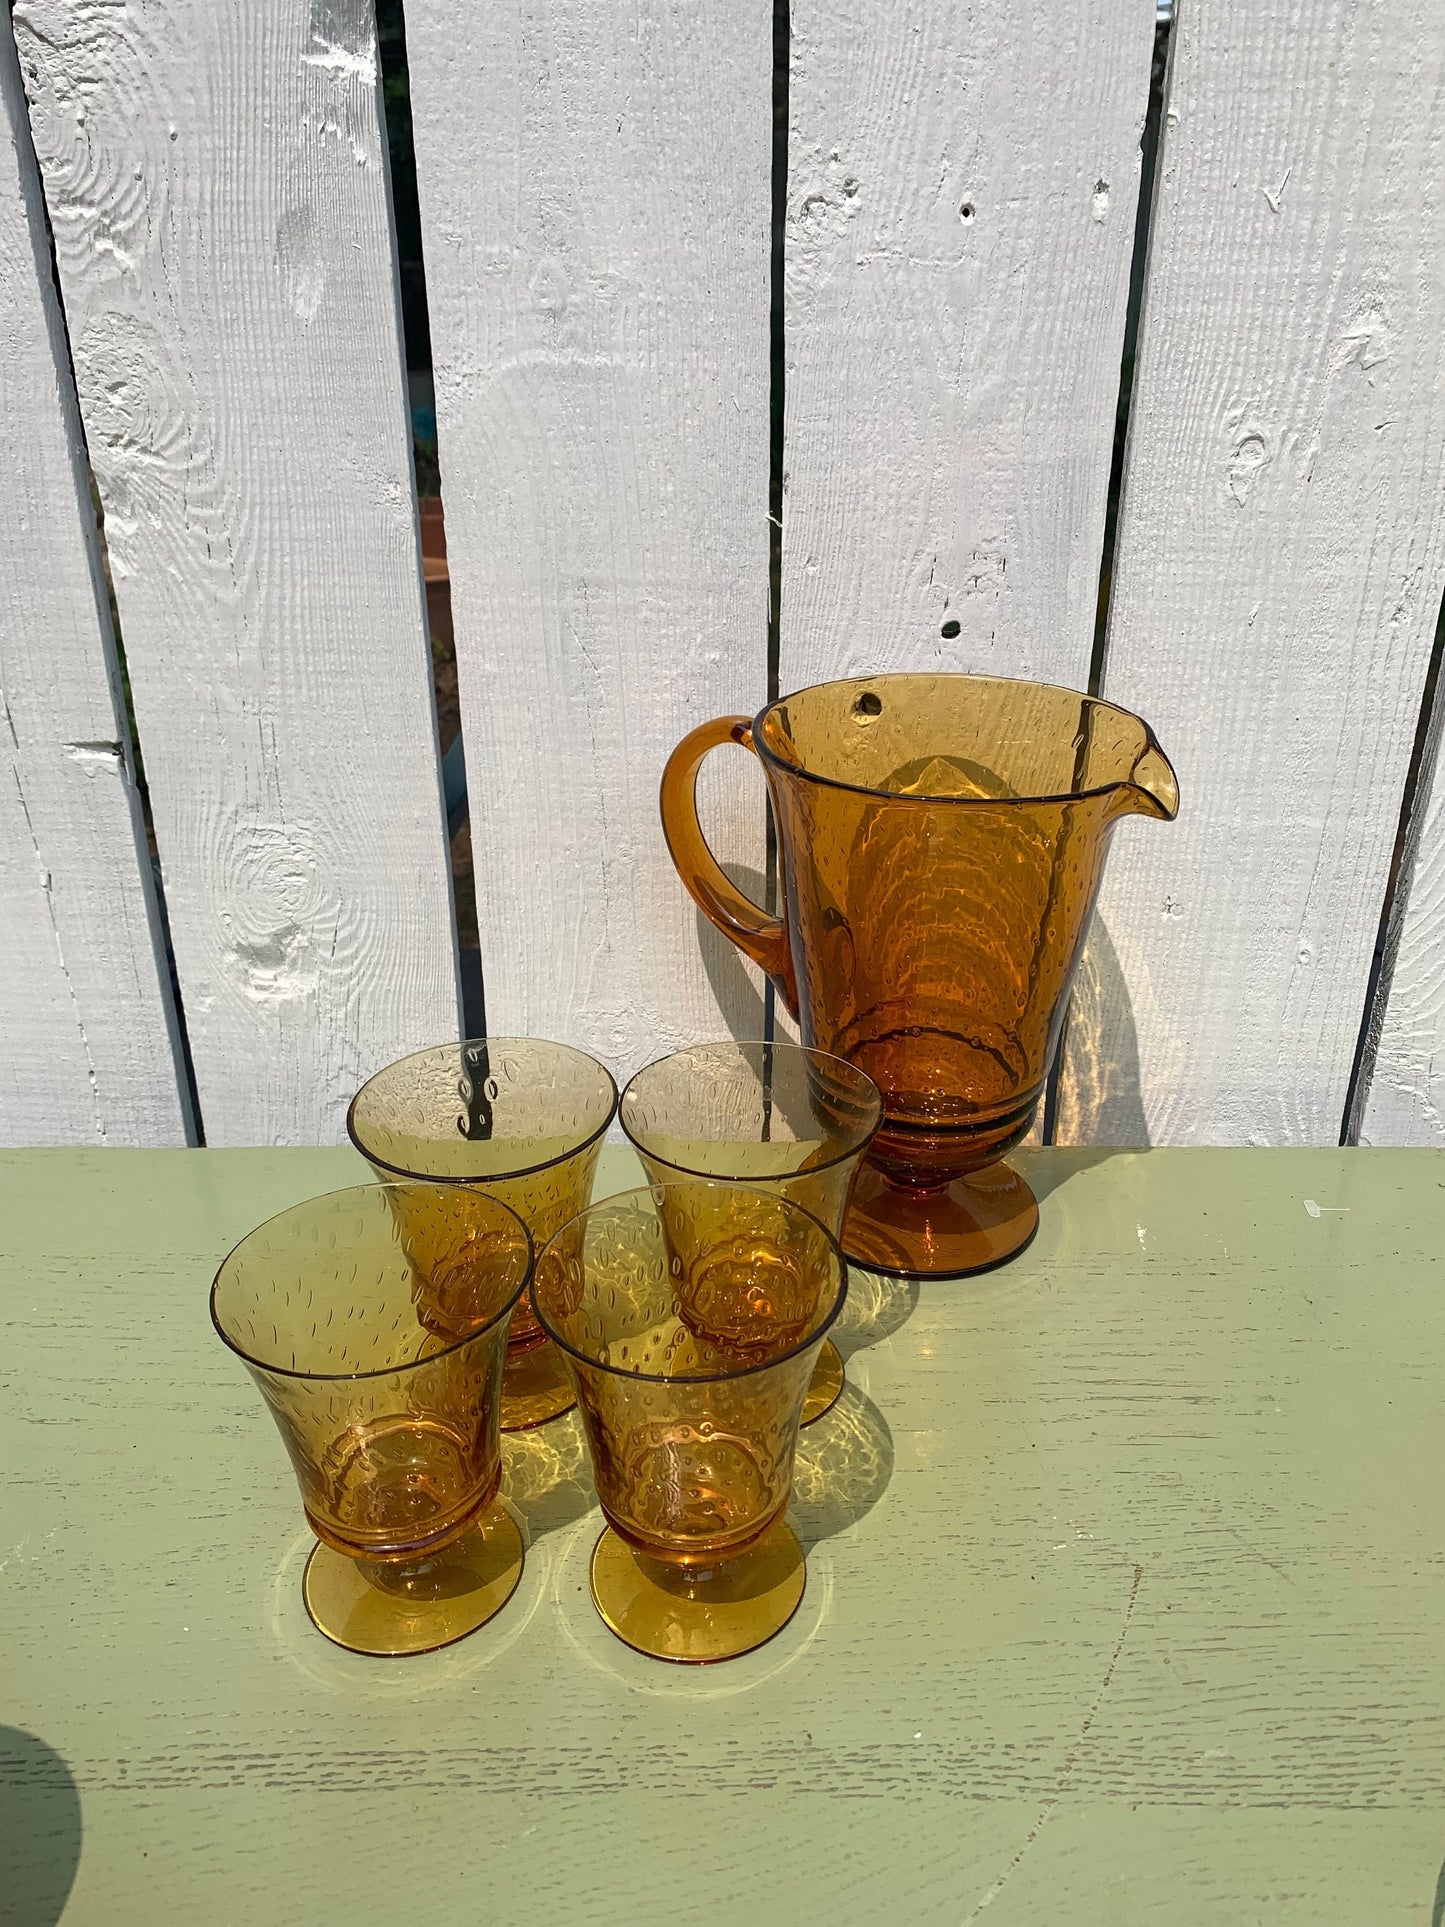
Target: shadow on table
(843,1465)
(39,1830)
(547,1475)
(874,1309)
(1052,1166)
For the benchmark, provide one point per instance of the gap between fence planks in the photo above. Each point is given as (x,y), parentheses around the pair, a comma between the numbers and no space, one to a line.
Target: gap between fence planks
(1405,1103)
(217,188)
(88,1046)
(594,183)
(1280,563)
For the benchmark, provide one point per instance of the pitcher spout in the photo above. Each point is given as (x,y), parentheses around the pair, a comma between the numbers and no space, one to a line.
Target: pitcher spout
(1152,788)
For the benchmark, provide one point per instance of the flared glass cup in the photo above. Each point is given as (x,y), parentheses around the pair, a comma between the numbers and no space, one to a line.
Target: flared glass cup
(379,1355)
(691,1316)
(519,1117)
(775,1116)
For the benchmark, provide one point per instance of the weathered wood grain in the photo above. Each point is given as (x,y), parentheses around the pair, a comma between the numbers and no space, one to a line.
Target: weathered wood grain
(216,180)
(594,193)
(87,1033)
(1123,1598)
(1405,1103)
(963,181)
(1280,564)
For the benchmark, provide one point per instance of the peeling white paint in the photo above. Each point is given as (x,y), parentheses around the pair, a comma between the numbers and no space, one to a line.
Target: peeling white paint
(345,63)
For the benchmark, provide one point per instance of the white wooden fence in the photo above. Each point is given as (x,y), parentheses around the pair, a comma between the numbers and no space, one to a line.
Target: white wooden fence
(595,181)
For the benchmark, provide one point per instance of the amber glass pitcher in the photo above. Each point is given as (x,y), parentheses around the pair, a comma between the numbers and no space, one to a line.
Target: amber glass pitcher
(941,842)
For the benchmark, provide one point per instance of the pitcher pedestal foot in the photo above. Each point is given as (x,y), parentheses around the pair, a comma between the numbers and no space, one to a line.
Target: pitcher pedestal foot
(970,1225)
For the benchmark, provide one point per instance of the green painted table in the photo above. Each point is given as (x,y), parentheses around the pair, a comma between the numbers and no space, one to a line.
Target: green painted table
(1125,1595)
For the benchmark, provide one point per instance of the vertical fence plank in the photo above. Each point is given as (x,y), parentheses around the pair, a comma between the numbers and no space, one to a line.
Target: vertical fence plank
(1280,561)
(594,180)
(1405,1103)
(963,181)
(216,179)
(87,1038)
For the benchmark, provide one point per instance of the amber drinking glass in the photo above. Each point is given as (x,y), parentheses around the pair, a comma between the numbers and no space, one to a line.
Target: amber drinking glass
(391,1423)
(772,1115)
(941,843)
(518,1117)
(691,1316)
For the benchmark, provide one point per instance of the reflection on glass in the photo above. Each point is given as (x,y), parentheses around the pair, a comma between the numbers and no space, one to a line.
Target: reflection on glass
(379,1353)
(691,1316)
(772,1115)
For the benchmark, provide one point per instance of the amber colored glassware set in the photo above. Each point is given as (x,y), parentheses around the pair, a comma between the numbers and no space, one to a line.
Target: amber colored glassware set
(941,840)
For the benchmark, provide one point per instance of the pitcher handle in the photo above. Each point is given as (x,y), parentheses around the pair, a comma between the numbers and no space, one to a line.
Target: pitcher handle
(758,935)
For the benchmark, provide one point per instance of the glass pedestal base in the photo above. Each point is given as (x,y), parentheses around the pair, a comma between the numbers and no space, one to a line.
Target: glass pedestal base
(390,1610)
(969,1225)
(698,1618)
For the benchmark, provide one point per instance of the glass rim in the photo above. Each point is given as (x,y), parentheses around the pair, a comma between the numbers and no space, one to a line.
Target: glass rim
(693,1378)
(739,1043)
(482,1177)
(771,757)
(378,1371)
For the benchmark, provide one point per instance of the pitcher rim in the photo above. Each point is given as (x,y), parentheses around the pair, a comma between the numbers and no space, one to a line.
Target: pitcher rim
(771,758)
